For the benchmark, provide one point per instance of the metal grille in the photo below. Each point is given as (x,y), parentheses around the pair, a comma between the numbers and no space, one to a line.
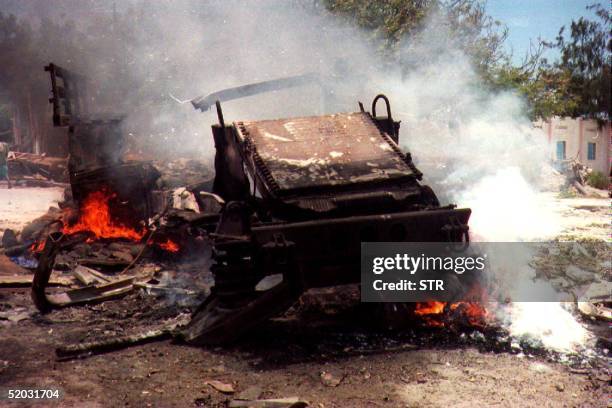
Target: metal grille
(331,150)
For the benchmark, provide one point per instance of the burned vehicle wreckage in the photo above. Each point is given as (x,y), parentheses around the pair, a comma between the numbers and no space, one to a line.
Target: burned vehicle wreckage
(294,198)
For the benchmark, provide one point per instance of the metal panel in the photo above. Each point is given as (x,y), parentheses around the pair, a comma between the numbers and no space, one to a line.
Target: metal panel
(68,90)
(337,150)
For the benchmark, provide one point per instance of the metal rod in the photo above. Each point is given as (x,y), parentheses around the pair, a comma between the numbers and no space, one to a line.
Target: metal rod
(220,115)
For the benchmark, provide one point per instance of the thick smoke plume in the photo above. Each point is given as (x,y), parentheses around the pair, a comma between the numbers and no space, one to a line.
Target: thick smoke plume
(481,151)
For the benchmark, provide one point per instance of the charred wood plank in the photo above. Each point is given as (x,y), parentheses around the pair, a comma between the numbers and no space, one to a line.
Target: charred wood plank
(26,280)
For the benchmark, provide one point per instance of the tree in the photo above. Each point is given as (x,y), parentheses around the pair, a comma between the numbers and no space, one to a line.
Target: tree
(586,55)
(388,20)
(545,89)
(17,49)
(394,21)
(576,85)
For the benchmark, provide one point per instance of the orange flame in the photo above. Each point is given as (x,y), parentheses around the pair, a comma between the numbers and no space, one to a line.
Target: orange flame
(95,217)
(427,308)
(37,246)
(169,245)
(474,312)
(433,312)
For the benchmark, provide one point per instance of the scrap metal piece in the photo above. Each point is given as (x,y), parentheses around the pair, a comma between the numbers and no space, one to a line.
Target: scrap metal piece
(91,294)
(204,103)
(53,244)
(386,123)
(88,276)
(289,402)
(81,350)
(68,90)
(115,343)
(71,97)
(217,322)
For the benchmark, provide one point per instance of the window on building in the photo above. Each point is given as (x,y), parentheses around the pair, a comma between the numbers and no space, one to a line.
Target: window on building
(561,150)
(591,151)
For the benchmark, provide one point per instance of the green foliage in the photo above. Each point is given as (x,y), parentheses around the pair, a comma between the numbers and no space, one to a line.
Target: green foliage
(576,85)
(477,34)
(392,21)
(586,55)
(567,193)
(598,180)
(545,90)
(389,20)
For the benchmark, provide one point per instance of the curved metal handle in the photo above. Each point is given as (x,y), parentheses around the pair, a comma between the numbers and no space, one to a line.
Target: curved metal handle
(383,97)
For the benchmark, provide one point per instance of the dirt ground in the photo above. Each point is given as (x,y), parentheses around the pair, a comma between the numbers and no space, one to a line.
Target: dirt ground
(583,217)
(18,206)
(325,353)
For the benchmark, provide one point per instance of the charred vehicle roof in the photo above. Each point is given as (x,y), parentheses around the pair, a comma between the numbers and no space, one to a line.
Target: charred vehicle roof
(297,154)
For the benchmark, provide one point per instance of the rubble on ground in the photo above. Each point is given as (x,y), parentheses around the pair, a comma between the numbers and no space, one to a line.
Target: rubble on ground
(580,267)
(96,267)
(184,172)
(37,170)
(575,180)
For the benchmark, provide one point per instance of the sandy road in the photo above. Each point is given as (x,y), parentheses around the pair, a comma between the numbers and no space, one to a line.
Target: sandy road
(20,205)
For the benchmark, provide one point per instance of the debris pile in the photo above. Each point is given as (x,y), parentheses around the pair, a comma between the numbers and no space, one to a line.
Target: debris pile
(102,247)
(576,175)
(37,170)
(184,172)
(581,268)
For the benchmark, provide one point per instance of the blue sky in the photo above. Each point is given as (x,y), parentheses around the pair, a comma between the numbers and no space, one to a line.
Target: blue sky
(530,19)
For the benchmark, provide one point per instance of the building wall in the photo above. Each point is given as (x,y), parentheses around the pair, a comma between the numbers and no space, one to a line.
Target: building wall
(577,134)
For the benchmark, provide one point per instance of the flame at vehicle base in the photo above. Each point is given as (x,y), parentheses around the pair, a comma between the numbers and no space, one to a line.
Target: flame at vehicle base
(439,314)
(95,217)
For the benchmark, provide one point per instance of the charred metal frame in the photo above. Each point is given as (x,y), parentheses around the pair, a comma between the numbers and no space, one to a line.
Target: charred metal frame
(310,235)
(95,145)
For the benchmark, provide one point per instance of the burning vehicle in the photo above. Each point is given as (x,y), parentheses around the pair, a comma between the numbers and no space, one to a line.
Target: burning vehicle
(300,195)
(108,199)
(291,202)
(95,145)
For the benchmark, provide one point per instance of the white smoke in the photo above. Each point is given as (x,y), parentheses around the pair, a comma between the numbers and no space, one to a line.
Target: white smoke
(481,151)
(189,48)
(550,323)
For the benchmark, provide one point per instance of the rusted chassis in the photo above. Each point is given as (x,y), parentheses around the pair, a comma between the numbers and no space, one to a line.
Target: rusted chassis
(307,222)
(306,254)
(330,249)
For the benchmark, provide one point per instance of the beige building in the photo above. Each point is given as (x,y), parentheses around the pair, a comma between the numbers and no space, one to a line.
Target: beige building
(579,139)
